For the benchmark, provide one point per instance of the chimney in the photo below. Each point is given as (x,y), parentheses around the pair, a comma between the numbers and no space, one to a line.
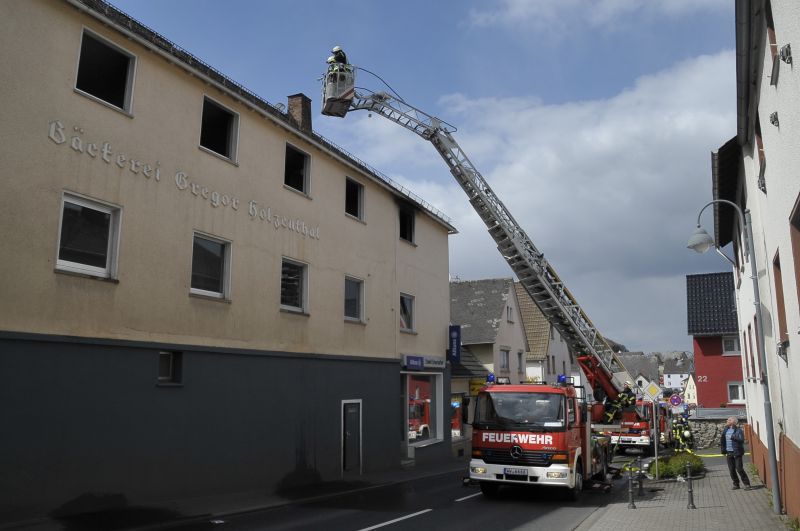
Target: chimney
(300,111)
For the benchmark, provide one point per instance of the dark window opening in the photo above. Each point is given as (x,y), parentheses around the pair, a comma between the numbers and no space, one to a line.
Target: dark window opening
(292,283)
(353,198)
(103,71)
(296,169)
(407,224)
(85,235)
(208,265)
(170,367)
(217,129)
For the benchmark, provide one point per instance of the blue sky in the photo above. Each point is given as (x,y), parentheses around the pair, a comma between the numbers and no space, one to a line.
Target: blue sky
(593,120)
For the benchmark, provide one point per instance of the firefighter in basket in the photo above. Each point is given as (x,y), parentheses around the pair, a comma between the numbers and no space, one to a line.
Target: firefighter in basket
(626,399)
(682,435)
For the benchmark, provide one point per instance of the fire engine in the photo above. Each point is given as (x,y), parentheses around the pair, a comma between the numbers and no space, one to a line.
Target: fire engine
(517,452)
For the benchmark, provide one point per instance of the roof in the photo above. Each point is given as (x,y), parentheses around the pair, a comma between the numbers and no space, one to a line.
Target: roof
(711,308)
(468,367)
(534,324)
(637,363)
(677,366)
(478,306)
(134,29)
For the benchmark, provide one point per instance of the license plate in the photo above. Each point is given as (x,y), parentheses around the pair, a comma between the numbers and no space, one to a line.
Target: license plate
(515,472)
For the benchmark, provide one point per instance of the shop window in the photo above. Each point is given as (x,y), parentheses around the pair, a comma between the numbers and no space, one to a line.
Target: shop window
(296,169)
(406,312)
(88,237)
(354,199)
(353,299)
(218,130)
(294,284)
(422,407)
(210,266)
(105,72)
(170,367)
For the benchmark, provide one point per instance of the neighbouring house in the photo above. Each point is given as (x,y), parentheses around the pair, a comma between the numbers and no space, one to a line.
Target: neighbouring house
(547,353)
(758,170)
(491,326)
(643,368)
(690,391)
(676,371)
(712,323)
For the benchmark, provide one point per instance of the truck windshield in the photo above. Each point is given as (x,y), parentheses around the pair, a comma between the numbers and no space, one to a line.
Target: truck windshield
(534,411)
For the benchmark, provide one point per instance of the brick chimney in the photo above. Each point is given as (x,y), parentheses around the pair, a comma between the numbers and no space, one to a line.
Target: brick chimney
(300,111)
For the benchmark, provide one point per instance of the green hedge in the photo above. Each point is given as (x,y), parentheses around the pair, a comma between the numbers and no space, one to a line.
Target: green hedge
(676,465)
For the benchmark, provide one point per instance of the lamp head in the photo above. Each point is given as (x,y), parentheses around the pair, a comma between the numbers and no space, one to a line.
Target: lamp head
(700,241)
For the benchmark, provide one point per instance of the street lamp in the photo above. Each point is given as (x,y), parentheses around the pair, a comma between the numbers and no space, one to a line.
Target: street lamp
(701,241)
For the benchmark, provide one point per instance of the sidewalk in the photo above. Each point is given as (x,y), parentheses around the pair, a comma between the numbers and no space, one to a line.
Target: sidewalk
(664,506)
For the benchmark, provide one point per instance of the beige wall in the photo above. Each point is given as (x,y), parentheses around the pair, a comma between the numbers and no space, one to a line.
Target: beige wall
(150,301)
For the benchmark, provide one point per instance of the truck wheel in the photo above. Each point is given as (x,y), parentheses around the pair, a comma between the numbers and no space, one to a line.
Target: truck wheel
(574,493)
(489,489)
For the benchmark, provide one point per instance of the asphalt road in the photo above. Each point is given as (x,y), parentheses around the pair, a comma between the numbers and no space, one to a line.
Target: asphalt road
(437,503)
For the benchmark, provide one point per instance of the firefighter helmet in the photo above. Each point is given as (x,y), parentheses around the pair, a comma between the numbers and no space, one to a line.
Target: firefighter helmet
(336,49)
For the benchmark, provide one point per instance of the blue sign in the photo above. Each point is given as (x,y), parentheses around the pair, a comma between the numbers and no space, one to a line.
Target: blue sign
(414,363)
(455,343)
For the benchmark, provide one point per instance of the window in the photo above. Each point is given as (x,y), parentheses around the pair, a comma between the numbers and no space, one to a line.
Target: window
(406,312)
(218,130)
(296,169)
(762,157)
(504,359)
(509,314)
(105,72)
(354,199)
(88,237)
(750,345)
(730,345)
(406,219)
(736,392)
(353,298)
(783,334)
(170,367)
(423,392)
(794,232)
(294,284)
(520,363)
(210,265)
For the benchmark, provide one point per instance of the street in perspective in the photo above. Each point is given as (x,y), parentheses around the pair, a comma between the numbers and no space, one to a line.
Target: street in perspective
(359,310)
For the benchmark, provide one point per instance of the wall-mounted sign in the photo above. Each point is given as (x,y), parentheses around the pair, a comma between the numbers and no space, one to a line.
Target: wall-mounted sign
(413,363)
(455,343)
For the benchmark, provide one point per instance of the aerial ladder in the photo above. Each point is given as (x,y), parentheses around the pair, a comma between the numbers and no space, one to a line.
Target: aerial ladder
(604,371)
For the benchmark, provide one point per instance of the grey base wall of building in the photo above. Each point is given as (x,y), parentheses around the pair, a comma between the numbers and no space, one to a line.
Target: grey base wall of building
(86,423)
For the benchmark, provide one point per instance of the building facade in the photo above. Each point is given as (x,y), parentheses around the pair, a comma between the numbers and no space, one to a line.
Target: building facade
(204,296)
(757,170)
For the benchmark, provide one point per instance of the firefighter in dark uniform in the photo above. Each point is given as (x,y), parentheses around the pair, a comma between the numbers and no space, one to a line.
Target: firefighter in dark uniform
(338,55)
(626,399)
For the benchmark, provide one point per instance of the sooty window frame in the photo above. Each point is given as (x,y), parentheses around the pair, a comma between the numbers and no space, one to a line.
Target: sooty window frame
(105,72)
(297,170)
(219,129)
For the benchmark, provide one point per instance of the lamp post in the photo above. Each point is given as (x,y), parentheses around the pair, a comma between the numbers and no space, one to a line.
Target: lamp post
(701,241)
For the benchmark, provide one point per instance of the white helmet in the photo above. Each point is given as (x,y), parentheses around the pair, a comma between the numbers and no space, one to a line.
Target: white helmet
(331,59)
(336,49)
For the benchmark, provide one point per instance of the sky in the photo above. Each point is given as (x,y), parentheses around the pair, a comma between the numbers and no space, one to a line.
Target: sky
(592,120)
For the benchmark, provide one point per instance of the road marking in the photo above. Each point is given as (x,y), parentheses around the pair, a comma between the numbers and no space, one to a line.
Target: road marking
(384,524)
(468,497)
(716,455)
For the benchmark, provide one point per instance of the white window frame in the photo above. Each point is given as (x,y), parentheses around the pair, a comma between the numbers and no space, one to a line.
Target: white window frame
(436,407)
(740,385)
(303,286)
(520,362)
(306,191)
(226,268)
(737,346)
(233,145)
(129,82)
(360,317)
(112,249)
(509,313)
(360,215)
(412,328)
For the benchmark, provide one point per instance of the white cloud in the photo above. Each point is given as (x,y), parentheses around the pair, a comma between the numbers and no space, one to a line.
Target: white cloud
(556,16)
(608,189)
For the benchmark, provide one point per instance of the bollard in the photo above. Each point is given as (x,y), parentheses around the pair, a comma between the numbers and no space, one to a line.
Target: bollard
(690,505)
(640,476)
(631,505)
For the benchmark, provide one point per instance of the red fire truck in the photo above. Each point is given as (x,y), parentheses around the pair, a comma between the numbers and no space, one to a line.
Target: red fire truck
(535,434)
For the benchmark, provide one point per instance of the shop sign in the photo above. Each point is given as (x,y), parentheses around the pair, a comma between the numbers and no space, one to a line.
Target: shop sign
(434,363)
(455,343)
(413,363)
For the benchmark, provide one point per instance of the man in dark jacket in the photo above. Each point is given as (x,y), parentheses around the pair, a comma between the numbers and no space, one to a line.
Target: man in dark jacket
(732,447)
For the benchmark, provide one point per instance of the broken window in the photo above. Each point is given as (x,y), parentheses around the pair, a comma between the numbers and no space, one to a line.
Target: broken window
(296,171)
(218,129)
(105,72)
